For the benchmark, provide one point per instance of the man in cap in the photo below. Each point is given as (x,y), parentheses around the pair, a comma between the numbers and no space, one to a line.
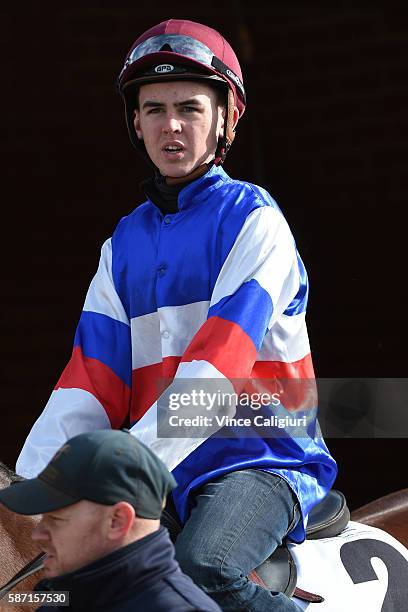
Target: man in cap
(201,286)
(101,497)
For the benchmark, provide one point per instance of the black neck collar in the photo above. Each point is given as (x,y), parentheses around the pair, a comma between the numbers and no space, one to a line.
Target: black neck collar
(164,191)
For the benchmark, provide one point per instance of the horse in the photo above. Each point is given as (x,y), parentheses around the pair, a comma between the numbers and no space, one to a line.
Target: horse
(16,546)
(388,513)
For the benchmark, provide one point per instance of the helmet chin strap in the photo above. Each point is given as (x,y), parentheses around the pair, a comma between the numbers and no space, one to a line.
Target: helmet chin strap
(227,139)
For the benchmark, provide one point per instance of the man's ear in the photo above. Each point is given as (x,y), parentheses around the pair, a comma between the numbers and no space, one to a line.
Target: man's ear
(122,517)
(136,123)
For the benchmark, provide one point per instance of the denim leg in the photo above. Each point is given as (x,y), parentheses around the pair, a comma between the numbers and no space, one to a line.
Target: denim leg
(237,522)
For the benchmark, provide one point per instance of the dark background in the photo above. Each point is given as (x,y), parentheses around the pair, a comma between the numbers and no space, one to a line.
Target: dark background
(325,132)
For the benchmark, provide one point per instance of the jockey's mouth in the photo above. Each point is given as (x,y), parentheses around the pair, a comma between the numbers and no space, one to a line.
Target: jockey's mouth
(173,147)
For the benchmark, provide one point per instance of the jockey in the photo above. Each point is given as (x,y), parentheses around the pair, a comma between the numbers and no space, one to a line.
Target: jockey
(200,286)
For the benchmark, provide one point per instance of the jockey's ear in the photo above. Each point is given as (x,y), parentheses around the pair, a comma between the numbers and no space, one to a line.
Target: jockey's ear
(136,123)
(121,520)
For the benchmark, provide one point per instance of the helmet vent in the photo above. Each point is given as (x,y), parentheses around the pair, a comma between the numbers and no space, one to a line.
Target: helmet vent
(166,47)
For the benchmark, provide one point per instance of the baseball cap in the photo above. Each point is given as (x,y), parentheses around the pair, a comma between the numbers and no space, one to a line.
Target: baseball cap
(103,466)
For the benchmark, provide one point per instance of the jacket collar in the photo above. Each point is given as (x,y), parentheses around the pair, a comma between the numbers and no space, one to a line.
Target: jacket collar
(200,190)
(118,575)
(186,197)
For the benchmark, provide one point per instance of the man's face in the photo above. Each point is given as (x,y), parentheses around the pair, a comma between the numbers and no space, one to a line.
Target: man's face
(180,123)
(72,537)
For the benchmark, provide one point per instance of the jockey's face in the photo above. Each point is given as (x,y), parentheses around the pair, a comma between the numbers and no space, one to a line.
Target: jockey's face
(180,123)
(72,537)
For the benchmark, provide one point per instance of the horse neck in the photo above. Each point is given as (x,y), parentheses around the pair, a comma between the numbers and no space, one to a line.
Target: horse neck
(16,545)
(16,542)
(389,513)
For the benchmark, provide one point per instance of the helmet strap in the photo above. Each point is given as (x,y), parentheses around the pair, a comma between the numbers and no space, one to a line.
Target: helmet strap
(225,142)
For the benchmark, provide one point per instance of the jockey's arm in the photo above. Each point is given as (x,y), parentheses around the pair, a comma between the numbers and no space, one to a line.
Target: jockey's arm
(93,391)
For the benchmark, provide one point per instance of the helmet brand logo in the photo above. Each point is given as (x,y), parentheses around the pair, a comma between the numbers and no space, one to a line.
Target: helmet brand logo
(164,68)
(234,77)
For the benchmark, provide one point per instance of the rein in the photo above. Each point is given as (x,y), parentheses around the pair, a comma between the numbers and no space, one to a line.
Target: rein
(30,568)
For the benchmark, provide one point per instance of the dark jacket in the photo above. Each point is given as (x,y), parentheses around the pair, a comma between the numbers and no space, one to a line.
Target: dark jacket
(141,577)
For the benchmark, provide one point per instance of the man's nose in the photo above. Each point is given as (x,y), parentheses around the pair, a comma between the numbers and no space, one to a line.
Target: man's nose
(39,533)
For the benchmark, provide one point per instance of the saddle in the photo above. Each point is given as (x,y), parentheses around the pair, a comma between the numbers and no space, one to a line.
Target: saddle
(278,573)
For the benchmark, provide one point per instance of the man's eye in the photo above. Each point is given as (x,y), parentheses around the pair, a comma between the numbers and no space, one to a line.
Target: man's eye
(153,110)
(190,109)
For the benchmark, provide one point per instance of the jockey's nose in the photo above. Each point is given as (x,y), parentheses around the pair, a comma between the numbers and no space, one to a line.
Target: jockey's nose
(171,125)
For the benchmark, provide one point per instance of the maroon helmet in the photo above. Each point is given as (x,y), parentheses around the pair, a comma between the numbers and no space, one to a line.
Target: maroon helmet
(178,49)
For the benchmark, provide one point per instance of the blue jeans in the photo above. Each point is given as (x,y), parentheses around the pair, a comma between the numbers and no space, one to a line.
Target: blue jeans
(236,523)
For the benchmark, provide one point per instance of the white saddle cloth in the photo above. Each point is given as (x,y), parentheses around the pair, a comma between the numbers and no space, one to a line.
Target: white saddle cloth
(363,568)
